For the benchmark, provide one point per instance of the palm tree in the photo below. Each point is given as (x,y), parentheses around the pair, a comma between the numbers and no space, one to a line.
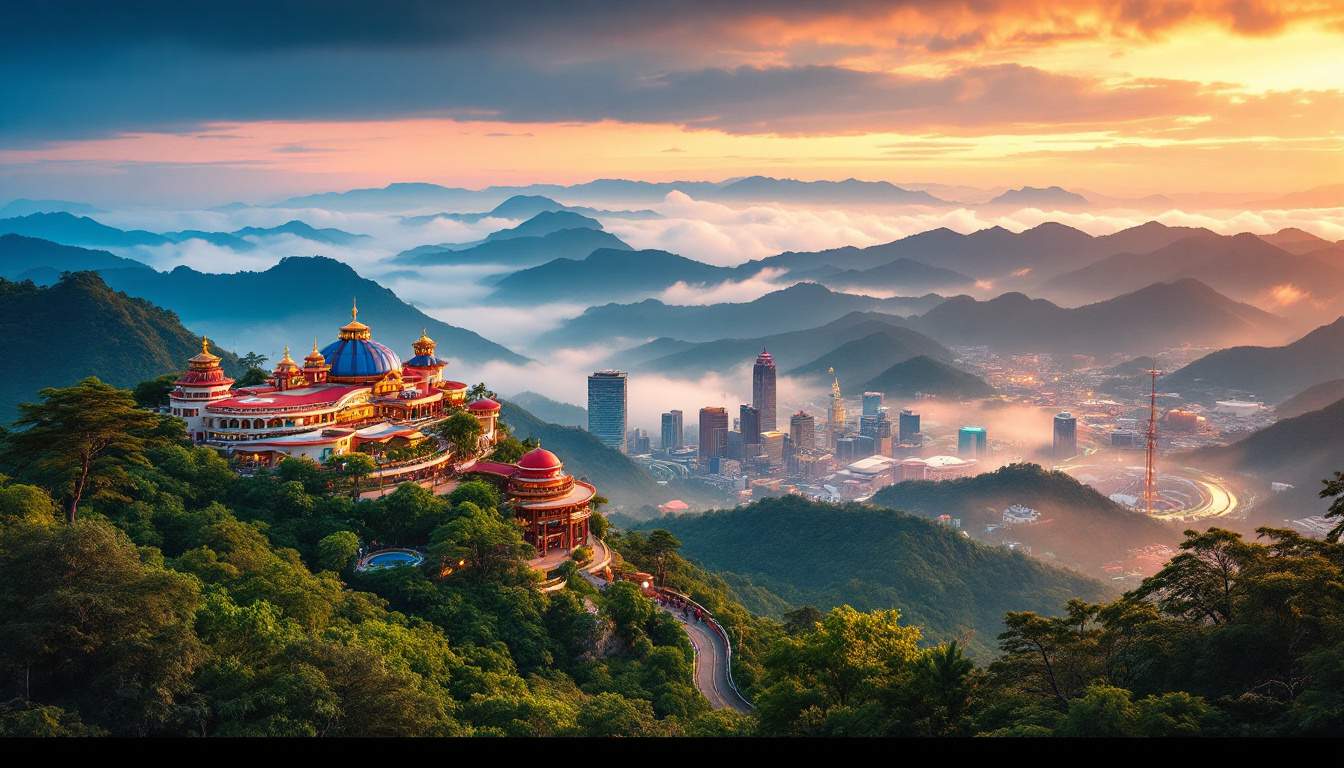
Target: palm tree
(253,360)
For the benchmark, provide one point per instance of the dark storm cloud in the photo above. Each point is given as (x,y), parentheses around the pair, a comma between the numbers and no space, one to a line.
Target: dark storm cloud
(81,69)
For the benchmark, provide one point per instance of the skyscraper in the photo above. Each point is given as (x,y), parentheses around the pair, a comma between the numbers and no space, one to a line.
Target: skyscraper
(606,408)
(907,426)
(713,432)
(1066,435)
(835,414)
(749,421)
(871,402)
(803,431)
(672,431)
(763,389)
(972,443)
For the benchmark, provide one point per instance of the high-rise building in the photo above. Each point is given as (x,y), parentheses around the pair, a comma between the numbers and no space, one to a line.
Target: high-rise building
(713,432)
(803,431)
(907,426)
(871,402)
(763,389)
(772,446)
(672,431)
(749,422)
(1066,435)
(637,442)
(835,414)
(972,443)
(606,407)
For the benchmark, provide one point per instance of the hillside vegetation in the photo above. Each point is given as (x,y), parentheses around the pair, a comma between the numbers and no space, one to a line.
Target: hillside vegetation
(79,327)
(825,555)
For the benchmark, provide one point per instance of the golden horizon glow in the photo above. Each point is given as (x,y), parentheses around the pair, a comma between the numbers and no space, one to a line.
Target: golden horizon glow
(1218,98)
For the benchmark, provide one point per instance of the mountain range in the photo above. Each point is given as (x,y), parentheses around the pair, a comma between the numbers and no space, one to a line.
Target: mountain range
(605,273)
(1153,318)
(1057,197)
(23,206)
(988,254)
(80,327)
(552,411)
(864,358)
(1312,398)
(296,300)
(1272,373)
(527,206)
(903,274)
(42,261)
(418,195)
(897,343)
(925,375)
(1245,267)
(797,307)
(70,229)
(534,242)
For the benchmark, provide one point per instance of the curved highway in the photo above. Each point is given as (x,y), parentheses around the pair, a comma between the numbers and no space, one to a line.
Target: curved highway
(711,664)
(711,657)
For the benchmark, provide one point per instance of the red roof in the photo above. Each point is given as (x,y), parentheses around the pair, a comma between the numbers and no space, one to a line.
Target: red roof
(484,404)
(539,458)
(268,400)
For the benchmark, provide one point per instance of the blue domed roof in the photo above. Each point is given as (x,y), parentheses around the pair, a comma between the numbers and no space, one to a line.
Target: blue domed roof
(350,358)
(424,361)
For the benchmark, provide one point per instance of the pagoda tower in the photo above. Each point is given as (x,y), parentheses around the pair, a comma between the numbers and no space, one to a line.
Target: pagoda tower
(288,374)
(425,364)
(203,383)
(315,366)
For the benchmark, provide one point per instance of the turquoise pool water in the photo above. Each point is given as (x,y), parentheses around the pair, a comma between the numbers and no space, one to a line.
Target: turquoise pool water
(393,559)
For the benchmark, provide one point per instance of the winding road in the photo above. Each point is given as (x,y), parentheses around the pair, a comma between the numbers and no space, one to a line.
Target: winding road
(711,657)
(711,664)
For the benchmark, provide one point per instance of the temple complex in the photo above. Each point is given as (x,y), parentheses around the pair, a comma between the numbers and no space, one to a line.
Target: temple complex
(354,394)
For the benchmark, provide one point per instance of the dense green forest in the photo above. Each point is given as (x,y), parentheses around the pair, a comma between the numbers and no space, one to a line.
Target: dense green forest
(79,327)
(786,552)
(147,589)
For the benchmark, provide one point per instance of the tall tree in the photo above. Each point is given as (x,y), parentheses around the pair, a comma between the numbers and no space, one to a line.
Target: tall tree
(462,431)
(80,440)
(1334,489)
(661,546)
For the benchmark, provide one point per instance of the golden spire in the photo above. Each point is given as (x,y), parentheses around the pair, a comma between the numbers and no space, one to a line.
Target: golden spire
(355,329)
(423,345)
(314,358)
(205,359)
(286,363)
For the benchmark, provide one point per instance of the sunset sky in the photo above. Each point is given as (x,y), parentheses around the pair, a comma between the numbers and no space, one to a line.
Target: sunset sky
(206,103)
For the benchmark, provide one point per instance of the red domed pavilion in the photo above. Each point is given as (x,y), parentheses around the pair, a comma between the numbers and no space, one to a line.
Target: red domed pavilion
(552,507)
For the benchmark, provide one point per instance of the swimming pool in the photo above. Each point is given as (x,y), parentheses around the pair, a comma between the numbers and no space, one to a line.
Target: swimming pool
(390,558)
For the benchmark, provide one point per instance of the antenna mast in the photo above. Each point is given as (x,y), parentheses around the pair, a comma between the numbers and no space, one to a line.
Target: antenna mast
(1149,479)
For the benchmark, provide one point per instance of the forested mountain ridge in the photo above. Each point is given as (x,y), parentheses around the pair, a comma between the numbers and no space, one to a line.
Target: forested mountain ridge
(80,327)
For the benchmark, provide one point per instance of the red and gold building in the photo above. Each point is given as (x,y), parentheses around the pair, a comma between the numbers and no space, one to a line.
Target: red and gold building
(550,506)
(355,394)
